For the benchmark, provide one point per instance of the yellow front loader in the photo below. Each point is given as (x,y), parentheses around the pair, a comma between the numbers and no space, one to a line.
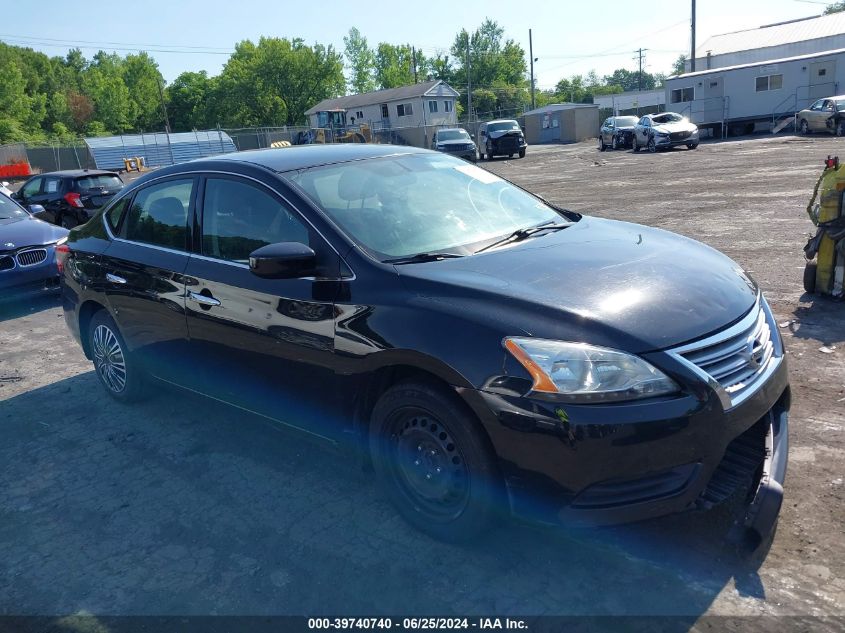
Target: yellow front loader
(825,252)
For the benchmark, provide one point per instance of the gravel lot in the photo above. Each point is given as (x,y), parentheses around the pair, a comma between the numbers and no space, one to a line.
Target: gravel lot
(179,506)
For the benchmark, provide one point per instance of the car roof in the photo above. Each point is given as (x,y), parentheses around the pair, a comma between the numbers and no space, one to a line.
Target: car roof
(73,173)
(305,156)
(502,121)
(452,129)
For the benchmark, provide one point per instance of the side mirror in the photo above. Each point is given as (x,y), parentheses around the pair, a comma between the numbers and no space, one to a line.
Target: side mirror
(36,209)
(283,260)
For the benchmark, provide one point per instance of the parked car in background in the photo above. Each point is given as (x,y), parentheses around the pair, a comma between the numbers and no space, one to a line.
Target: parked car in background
(27,252)
(69,198)
(664,130)
(455,141)
(825,115)
(617,132)
(422,312)
(501,138)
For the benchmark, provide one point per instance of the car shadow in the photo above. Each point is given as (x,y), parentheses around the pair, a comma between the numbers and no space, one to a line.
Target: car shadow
(21,307)
(819,317)
(182,506)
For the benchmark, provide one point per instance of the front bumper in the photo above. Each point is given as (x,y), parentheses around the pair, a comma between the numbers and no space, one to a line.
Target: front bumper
(620,463)
(667,141)
(469,154)
(22,282)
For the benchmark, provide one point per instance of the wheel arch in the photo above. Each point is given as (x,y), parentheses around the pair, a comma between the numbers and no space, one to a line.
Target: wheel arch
(86,312)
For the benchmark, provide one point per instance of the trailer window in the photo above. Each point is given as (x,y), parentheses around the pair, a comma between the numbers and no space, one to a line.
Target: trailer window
(682,95)
(769,82)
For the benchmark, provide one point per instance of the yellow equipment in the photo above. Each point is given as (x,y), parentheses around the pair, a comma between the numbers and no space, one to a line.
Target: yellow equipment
(826,275)
(332,128)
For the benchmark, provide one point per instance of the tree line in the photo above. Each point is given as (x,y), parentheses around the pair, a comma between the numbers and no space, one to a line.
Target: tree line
(271,82)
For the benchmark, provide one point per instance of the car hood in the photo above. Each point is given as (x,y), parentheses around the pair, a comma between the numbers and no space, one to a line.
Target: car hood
(501,133)
(599,281)
(28,232)
(679,126)
(625,128)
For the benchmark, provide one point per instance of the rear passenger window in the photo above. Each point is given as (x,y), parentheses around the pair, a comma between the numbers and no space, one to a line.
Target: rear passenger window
(114,215)
(159,214)
(238,218)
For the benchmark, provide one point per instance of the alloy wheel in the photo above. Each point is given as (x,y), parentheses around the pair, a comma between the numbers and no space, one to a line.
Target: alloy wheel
(109,360)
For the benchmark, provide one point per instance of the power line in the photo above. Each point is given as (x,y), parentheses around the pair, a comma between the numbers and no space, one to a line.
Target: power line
(101,43)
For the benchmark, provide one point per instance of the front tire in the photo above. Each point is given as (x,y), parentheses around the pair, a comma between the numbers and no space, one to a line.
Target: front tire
(522,153)
(116,368)
(635,145)
(692,145)
(652,146)
(489,152)
(810,269)
(602,146)
(433,461)
(839,129)
(614,143)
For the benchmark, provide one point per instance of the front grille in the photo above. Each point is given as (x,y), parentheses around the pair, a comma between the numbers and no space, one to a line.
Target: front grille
(32,257)
(737,357)
(679,136)
(6,262)
(458,148)
(509,142)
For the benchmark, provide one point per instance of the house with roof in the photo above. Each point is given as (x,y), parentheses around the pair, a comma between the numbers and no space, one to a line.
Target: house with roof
(759,78)
(430,103)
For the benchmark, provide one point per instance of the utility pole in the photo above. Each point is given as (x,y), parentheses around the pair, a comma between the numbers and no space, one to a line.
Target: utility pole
(469,86)
(414,57)
(163,108)
(692,44)
(531,54)
(640,52)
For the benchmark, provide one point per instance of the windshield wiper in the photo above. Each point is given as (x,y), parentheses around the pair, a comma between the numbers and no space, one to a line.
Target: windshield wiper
(522,234)
(421,257)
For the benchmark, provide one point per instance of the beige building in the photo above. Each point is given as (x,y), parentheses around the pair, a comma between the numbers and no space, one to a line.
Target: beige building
(562,123)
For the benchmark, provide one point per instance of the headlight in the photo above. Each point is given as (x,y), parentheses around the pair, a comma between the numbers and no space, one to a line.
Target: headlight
(662,133)
(695,131)
(585,373)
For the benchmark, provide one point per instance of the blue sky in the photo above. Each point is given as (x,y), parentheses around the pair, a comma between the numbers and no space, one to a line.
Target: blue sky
(569,37)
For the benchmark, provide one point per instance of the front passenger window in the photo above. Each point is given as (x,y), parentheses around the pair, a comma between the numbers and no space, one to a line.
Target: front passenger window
(159,214)
(238,218)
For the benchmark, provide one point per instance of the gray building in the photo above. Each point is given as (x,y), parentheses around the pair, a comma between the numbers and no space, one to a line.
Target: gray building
(561,122)
(430,103)
(773,41)
(761,76)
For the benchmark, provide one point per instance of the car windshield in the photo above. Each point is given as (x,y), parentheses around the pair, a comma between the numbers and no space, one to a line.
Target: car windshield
(10,209)
(452,135)
(840,104)
(668,117)
(402,206)
(622,121)
(503,125)
(105,181)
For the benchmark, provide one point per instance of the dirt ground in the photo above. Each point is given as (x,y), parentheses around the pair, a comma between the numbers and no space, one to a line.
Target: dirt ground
(179,506)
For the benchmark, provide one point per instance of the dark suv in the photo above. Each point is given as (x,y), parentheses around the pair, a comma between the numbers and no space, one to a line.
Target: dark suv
(501,138)
(484,350)
(69,198)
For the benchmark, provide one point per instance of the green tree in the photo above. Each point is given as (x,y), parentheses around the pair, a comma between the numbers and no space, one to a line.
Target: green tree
(493,60)
(394,65)
(360,60)
(191,101)
(275,81)
(836,7)
(143,79)
(679,66)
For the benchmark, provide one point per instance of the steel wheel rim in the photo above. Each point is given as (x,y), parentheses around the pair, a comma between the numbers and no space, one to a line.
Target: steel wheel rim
(804,127)
(427,465)
(109,359)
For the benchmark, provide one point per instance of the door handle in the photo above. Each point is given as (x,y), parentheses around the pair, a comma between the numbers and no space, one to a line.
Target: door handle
(115,279)
(203,300)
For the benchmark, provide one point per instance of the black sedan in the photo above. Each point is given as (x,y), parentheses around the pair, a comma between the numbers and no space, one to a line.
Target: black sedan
(617,132)
(71,197)
(27,253)
(482,349)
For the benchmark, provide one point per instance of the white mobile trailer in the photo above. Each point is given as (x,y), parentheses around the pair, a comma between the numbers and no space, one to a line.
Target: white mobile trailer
(770,92)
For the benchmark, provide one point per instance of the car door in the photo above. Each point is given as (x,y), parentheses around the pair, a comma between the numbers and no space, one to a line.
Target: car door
(604,132)
(142,274)
(825,115)
(813,121)
(50,197)
(265,345)
(29,193)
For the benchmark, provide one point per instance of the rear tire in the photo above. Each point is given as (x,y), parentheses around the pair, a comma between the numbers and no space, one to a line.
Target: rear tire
(810,277)
(804,127)
(433,462)
(117,369)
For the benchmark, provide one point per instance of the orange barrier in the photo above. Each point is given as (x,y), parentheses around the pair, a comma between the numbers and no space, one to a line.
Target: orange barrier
(15,169)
